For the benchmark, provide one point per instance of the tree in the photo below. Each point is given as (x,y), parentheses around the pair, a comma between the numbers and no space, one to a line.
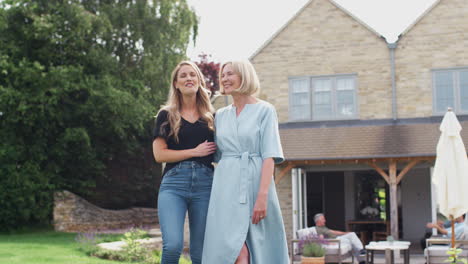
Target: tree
(210,70)
(80,82)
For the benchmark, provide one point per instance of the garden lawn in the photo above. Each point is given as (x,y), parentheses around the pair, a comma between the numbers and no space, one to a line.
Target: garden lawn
(44,247)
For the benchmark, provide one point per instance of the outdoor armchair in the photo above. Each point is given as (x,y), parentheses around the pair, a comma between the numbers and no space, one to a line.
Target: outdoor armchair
(436,249)
(336,251)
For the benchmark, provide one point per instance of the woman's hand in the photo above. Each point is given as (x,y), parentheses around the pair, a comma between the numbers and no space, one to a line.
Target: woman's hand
(260,209)
(204,149)
(163,154)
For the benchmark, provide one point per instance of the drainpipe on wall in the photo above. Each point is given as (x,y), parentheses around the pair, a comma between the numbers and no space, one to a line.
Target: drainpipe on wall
(392,47)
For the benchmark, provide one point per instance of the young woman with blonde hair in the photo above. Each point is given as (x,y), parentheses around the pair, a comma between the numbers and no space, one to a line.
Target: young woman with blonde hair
(184,140)
(244,223)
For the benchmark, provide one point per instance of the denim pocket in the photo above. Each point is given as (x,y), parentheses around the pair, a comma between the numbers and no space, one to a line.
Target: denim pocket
(170,172)
(205,175)
(175,178)
(207,171)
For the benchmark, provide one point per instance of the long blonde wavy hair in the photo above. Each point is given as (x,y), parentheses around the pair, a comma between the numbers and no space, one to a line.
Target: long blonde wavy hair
(174,102)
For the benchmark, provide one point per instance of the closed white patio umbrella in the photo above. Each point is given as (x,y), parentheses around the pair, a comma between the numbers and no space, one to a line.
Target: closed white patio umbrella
(451,170)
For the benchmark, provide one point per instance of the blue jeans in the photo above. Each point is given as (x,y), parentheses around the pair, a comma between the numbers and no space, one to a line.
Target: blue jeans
(186,187)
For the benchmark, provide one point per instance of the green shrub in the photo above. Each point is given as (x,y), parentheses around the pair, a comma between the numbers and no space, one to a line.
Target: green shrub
(313,250)
(132,252)
(77,99)
(311,246)
(87,242)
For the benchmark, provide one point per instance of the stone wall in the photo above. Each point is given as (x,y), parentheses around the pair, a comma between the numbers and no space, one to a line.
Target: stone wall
(439,40)
(221,101)
(325,40)
(74,214)
(284,190)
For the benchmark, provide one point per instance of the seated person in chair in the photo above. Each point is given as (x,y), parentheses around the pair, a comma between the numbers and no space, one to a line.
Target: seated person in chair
(437,250)
(345,237)
(447,232)
(441,221)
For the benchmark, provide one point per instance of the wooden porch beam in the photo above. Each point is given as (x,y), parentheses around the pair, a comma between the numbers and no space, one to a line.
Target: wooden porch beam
(408,167)
(392,169)
(283,172)
(357,160)
(380,171)
(371,162)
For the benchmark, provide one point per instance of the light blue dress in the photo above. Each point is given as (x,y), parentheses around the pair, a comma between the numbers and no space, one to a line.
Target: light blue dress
(243,142)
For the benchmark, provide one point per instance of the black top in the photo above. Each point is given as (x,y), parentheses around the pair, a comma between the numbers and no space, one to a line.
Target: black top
(190,136)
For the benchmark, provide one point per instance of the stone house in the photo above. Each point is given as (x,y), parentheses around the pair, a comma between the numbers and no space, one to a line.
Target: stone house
(359,117)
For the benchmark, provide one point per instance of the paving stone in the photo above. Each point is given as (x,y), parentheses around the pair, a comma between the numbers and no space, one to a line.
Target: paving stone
(154,243)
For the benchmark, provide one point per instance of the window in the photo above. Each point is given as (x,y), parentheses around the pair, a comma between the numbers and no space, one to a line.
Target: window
(450,89)
(323,98)
(300,99)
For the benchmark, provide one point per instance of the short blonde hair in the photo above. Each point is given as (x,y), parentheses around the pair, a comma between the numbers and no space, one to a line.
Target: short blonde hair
(249,79)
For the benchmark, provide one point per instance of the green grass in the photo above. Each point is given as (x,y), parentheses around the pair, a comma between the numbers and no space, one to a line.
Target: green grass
(44,247)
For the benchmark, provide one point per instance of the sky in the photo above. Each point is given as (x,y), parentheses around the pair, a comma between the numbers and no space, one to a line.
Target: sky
(235,29)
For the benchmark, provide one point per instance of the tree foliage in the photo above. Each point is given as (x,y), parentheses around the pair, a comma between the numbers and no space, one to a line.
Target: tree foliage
(80,82)
(210,70)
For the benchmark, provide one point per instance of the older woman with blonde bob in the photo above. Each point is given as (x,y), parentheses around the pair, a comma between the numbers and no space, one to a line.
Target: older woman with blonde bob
(244,223)
(184,140)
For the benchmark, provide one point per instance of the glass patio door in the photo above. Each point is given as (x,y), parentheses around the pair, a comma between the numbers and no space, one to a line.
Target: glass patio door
(299,195)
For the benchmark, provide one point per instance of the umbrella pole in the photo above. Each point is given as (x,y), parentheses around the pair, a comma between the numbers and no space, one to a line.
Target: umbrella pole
(453,231)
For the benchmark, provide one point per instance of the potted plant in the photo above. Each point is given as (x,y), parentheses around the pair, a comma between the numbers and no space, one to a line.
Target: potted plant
(312,249)
(454,257)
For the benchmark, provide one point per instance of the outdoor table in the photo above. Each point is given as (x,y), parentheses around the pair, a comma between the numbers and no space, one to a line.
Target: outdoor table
(389,248)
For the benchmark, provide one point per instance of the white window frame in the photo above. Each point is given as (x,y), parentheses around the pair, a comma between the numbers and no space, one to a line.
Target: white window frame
(291,80)
(456,90)
(333,78)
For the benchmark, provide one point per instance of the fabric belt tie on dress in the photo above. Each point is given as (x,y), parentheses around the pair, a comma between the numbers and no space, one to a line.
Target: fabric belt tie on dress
(244,165)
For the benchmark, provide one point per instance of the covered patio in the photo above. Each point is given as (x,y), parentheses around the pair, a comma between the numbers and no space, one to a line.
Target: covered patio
(390,148)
